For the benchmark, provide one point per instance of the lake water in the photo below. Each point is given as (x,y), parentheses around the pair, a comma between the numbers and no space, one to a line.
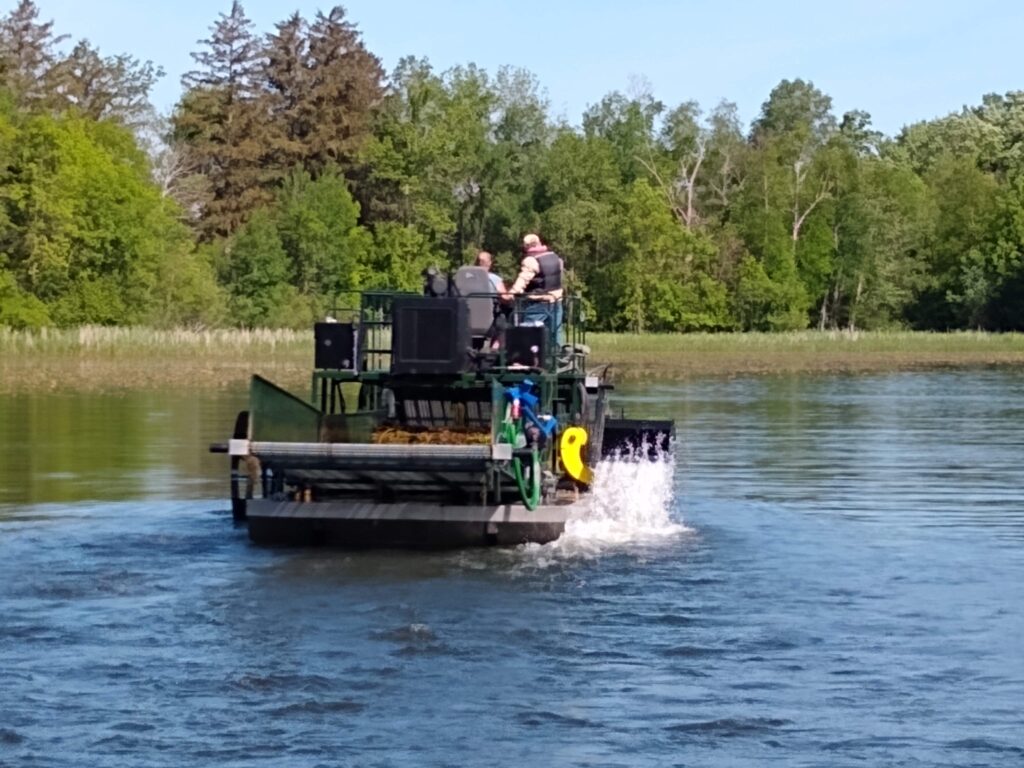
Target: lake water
(830,573)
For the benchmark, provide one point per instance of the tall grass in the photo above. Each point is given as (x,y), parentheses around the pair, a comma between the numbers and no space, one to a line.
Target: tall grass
(94,339)
(846,341)
(95,357)
(703,353)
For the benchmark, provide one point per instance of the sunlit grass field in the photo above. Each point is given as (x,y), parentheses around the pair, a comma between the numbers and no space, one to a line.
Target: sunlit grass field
(93,357)
(103,340)
(701,354)
(109,358)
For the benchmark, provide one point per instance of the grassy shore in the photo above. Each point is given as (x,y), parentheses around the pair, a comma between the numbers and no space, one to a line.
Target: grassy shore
(92,358)
(730,354)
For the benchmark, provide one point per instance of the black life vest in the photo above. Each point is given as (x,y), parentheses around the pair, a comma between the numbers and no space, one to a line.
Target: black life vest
(549,278)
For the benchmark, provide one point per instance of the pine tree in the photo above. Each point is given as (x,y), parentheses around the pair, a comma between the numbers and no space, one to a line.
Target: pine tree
(344,88)
(221,117)
(26,54)
(114,87)
(232,62)
(286,78)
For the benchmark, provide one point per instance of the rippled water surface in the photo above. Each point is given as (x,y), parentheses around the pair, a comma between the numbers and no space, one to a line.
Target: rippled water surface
(831,573)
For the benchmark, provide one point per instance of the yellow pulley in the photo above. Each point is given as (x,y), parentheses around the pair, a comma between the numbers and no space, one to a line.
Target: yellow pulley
(573,440)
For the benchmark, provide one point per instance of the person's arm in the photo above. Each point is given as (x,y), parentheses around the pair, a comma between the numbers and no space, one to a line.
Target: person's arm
(529,269)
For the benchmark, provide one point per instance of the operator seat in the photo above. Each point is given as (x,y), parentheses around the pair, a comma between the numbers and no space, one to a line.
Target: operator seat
(474,284)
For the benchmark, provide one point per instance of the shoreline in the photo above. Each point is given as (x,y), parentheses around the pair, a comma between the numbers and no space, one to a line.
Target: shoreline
(98,359)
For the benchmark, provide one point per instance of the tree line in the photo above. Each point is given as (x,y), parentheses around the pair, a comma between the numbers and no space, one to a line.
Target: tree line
(294,171)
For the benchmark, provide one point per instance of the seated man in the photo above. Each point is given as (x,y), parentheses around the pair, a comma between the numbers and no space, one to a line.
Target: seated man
(540,281)
(496,333)
(484,259)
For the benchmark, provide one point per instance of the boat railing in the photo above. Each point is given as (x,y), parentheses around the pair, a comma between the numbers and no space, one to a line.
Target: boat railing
(563,321)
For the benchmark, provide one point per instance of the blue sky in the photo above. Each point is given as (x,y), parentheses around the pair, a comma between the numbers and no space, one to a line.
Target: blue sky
(900,61)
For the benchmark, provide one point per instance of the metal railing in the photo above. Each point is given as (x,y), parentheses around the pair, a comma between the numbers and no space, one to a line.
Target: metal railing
(375,320)
(563,319)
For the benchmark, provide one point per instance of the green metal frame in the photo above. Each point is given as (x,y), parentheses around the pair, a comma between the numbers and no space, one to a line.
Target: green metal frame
(562,365)
(559,382)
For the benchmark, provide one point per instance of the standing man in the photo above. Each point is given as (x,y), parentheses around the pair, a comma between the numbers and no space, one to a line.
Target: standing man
(484,259)
(540,281)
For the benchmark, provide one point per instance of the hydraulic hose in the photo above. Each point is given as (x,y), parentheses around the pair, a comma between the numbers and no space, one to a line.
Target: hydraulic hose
(531,497)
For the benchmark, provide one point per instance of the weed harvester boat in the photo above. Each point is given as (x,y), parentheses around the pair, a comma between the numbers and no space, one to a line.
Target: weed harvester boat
(418,433)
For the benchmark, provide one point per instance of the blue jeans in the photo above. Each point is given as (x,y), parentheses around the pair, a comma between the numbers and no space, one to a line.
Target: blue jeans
(546,313)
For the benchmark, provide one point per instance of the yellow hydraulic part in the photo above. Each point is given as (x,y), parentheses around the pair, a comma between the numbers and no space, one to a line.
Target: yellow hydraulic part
(573,440)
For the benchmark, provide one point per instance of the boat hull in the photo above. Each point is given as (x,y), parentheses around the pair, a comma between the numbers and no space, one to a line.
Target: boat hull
(361,525)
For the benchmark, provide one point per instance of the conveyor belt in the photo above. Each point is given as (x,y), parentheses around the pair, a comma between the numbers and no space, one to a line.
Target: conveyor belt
(369,456)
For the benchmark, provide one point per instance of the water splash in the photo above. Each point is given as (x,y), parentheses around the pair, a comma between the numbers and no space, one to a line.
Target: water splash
(630,503)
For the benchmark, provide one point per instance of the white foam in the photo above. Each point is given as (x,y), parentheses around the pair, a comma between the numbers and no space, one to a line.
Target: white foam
(630,503)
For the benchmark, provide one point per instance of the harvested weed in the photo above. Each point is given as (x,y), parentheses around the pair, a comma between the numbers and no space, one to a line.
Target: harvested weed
(430,436)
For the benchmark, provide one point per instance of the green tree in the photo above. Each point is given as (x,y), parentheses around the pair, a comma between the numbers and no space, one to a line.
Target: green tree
(579,194)
(786,210)
(967,136)
(764,215)
(628,125)
(318,224)
(433,144)
(663,284)
(399,255)
(19,309)
(795,109)
(1006,311)
(258,277)
(513,162)
(87,229)
(965,264)
(886,223)
(754,297)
